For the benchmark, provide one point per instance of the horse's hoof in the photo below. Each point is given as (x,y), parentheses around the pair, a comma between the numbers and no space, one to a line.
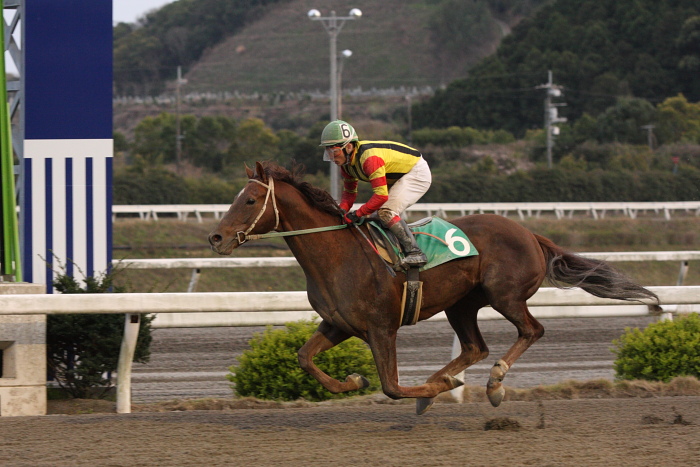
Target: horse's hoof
(359,380)
(496,395)
(423,404)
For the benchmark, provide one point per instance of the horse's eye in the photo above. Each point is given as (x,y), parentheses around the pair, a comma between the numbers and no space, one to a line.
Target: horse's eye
(250,201)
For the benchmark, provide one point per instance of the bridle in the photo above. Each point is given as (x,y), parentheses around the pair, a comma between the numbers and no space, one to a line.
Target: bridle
(243,237)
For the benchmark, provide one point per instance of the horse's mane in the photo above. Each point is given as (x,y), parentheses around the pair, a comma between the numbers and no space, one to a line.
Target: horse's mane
(317,196)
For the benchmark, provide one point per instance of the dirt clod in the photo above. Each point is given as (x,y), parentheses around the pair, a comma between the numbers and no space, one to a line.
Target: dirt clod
(502,423)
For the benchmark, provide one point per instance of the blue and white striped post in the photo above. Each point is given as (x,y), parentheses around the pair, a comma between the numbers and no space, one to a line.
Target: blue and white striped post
(66,198)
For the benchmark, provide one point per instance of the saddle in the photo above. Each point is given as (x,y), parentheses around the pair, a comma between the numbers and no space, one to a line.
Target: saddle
(439,240)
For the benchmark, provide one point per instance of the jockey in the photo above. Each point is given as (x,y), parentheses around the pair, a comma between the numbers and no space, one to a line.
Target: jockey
(398,174)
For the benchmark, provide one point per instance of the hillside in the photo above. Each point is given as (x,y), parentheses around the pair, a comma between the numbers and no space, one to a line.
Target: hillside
(285,51)
(598,51)
(272,46)
(621,66)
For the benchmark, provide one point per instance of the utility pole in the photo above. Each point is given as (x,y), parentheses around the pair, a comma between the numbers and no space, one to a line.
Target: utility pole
(410,118)
(550,114)
(178,136)
(650,135)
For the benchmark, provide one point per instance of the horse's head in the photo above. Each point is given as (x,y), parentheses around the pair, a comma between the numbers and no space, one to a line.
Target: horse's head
(253,211)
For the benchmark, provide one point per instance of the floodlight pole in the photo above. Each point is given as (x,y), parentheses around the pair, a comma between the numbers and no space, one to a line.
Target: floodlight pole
(343,55)
(333,24)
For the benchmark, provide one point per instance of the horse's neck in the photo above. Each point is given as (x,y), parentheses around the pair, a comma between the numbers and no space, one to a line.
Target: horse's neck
(312,250)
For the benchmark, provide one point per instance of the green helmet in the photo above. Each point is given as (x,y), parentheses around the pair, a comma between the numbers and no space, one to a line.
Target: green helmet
(338,132)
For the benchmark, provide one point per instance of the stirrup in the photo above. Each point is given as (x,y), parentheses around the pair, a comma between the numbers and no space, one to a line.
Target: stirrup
(415,259)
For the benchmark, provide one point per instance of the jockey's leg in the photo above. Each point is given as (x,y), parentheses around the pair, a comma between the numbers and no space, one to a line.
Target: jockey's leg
(392,221)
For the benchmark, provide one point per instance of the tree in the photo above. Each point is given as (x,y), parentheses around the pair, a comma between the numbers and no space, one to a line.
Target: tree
(210,143)
(457,25)
(623,122)
(678,121)
(154,138)
(254,142)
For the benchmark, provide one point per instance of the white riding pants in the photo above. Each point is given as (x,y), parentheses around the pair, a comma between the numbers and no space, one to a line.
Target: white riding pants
(409,189)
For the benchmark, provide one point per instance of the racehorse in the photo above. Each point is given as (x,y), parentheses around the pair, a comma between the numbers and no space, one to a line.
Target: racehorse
(350,287)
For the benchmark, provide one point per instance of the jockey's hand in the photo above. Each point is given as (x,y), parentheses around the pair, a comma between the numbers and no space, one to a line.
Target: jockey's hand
(352,217)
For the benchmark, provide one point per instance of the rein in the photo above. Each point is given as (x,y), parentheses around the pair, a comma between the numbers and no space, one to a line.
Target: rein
(243,237)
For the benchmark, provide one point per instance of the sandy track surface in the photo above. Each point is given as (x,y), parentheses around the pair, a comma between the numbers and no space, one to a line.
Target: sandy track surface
(630,432)
(190,363)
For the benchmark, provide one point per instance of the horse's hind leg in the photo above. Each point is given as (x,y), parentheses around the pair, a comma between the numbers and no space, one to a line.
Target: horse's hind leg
(462,318)
(529,331)
(326,337)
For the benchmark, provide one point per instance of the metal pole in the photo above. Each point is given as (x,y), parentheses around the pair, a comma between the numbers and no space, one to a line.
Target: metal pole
(410,118)
(547,122)
(10,261)
(178,139)
(340,87)
(650,136)
(333,33)
(333,24)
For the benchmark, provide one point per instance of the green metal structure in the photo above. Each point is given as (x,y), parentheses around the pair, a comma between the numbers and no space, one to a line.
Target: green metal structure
(10,264)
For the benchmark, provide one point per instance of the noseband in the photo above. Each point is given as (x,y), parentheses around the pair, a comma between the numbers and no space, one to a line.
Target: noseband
(243,237)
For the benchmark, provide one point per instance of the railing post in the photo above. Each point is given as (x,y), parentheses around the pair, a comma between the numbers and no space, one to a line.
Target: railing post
(126,359)
(194,280)
(458,393)
(683,272)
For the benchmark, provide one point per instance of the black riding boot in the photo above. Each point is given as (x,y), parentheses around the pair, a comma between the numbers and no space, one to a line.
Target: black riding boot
(414,255)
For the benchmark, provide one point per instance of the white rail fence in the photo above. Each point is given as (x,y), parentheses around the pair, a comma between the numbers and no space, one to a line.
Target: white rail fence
(286,306)
(596,210)
(197,264)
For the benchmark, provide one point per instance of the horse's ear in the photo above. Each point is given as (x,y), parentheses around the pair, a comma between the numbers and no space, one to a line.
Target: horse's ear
(248,170)
(260,172)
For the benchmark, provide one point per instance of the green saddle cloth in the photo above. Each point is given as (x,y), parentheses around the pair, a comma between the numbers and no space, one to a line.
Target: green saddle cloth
(440,240)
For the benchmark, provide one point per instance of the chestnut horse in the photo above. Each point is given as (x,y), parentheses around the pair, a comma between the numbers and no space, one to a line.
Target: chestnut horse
(355,294)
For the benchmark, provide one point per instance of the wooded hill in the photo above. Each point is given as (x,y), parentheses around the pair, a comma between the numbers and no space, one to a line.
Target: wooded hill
(622,66)
(598,50)
(271,46)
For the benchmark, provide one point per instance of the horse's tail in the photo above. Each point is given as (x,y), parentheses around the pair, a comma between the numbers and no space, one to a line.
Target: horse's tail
(594,276)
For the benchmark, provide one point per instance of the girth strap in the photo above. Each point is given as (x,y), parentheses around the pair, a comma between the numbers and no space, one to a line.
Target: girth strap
(412,298)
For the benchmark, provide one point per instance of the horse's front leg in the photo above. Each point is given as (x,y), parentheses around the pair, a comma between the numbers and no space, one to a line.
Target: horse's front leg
(326,337)
(383,345)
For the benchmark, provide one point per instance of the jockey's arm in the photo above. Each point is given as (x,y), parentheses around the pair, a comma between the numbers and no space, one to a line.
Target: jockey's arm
(375,167)
(349,191)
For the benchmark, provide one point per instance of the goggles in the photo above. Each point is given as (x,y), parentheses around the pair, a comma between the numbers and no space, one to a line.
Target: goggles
(330,150)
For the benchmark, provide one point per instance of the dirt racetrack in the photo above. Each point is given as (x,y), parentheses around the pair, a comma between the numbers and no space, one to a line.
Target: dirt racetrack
(611,432)
(653,429)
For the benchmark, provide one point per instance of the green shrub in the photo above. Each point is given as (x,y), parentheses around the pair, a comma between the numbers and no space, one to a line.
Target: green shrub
(270,368)
(660,352)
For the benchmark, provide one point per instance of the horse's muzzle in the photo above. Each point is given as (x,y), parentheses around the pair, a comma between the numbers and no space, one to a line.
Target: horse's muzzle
(217,243)
(215,240)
